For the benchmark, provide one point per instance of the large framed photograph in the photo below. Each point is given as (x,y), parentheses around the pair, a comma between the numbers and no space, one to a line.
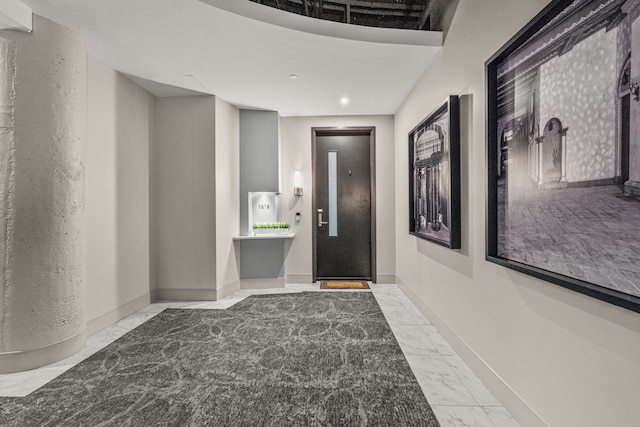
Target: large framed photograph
(563,152)
(434,176)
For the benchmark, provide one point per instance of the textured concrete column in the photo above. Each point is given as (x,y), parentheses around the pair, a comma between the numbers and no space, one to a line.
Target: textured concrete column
(42,222)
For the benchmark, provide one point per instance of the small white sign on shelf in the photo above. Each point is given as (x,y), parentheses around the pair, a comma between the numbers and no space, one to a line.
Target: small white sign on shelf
(263,208)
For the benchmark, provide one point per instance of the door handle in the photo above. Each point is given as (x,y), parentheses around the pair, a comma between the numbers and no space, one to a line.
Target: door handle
(320,222)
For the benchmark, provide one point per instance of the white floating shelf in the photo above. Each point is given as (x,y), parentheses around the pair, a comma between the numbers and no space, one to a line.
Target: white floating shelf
(266,237)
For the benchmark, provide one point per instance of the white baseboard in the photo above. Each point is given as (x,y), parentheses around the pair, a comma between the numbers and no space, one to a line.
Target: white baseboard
(195,294)
(111,317)
(187,294)
(18,361)
(275,282)
(299,278)
(386,279)
(510,399)
(227,290)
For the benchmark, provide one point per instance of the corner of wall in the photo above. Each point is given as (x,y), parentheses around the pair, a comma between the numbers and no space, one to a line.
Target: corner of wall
(119,194)
(227,198)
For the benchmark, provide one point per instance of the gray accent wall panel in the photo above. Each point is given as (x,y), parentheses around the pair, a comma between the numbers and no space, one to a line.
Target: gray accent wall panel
(259,157)
(262,258)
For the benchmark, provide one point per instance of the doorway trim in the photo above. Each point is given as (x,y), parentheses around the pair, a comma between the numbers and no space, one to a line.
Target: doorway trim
(340,131)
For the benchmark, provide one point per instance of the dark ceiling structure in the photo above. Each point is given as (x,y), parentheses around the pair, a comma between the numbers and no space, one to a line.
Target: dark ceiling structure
(401,14)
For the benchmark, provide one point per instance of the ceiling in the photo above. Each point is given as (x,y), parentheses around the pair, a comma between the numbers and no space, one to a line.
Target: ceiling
(245,52)
(406,14)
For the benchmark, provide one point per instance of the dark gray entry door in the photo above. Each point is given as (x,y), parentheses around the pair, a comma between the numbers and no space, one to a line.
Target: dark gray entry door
(344,203)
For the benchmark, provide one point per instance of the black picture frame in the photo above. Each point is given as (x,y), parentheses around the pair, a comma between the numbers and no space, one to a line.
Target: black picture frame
(562,204)
(434,176)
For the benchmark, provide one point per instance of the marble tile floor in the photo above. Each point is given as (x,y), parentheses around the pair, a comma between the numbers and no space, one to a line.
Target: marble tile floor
(456,395)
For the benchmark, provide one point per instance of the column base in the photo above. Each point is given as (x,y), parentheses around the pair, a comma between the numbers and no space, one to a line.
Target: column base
(18,361)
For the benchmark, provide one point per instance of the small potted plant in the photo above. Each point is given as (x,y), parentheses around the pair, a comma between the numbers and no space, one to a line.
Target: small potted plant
(283,228)
(270,228)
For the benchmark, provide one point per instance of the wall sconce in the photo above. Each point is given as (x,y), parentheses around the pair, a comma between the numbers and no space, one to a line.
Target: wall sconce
(297,184)
(634,89)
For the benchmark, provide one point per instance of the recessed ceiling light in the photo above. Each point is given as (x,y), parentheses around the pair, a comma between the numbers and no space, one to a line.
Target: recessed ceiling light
(344,100)
(293,76)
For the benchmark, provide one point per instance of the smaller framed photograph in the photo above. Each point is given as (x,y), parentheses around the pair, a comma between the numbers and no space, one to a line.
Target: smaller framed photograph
(434,176)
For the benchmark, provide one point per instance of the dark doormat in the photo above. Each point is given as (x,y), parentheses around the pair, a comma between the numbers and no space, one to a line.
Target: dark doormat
(343,284)
(305,359)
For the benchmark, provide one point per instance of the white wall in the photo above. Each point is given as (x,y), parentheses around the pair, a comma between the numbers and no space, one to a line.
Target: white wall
(551,355)
(227,185)
(185,206)
(121,130)
(296,155)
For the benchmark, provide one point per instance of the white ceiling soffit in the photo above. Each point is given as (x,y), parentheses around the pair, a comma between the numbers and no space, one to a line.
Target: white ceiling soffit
(14,15)
(182,47)
(321,27)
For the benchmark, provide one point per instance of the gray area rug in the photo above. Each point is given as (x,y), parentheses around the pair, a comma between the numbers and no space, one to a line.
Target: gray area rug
(305,359)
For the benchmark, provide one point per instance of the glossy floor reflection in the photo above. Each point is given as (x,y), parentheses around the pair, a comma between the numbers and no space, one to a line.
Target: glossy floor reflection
(456,395)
